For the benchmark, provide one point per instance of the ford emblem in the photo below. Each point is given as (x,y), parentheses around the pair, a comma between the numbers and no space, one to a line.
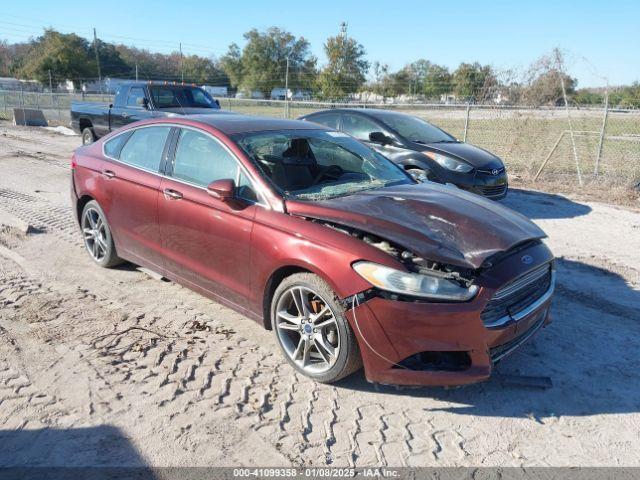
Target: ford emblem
(527,259)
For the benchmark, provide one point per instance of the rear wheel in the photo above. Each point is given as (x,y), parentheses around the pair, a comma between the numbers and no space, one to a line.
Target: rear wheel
(312,330)
(88,137)
(97,236)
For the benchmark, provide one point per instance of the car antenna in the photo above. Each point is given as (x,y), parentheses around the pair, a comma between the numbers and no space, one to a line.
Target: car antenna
(178,100)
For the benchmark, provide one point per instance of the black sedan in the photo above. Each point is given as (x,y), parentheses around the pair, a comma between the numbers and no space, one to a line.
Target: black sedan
(422,149)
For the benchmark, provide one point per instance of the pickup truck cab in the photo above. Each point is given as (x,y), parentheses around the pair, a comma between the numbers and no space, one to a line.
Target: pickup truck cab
(136,101)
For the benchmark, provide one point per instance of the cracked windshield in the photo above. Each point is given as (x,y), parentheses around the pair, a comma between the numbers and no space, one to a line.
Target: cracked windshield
(317,165)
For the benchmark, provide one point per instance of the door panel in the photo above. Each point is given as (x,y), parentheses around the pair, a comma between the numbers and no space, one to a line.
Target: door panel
(132,211)
(132,186)
(205,241)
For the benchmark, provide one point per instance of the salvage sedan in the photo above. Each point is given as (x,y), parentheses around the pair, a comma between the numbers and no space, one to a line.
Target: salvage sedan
(422,149)
(321,239)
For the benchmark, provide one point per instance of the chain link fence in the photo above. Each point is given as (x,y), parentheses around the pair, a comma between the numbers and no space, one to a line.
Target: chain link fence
(577,145)
(535,143)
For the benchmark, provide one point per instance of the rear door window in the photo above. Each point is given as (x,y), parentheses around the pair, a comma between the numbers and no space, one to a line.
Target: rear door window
(359,127)
(327,119)
(200,159)
(144,148)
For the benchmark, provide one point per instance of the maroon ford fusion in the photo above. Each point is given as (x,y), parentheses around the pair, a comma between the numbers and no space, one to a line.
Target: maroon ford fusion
(321,239)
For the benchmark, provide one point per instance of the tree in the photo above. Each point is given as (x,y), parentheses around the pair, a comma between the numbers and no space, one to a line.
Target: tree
(67,56)
(544,81)
(437,81)
(393,84)
(262,63)
(231,64)
(346,68)
(111,64)
(419,70)
(546,89)
(473,81)
(203,70)
(12,57)
(626,97)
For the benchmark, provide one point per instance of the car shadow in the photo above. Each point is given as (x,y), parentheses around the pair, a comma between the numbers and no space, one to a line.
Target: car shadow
(590,353)
(103,450)
(540,205)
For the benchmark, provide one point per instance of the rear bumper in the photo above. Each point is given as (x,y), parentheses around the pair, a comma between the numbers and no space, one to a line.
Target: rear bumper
(392,331)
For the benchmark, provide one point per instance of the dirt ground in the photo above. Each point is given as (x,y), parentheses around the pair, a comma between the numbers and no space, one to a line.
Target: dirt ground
(111,367)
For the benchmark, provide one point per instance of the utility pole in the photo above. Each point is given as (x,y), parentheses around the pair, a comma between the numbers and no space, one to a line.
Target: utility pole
(95,46)
(50,88)
(136,71)
(181,64)
(286,91)
(343,29)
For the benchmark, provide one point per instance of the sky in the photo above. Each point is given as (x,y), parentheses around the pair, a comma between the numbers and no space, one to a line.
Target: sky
(601,39)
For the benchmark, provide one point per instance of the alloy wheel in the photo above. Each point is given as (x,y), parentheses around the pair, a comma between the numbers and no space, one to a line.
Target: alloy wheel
(95,234)
(307,329)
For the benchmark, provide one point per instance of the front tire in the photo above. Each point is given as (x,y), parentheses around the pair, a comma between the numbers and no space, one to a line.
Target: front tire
(97,236)
(311,328)
(88,137)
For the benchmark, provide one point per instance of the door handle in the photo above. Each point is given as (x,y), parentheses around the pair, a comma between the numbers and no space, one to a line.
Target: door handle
(171,194)
(108,173)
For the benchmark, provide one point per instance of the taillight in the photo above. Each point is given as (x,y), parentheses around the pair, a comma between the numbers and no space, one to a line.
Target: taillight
(74,164)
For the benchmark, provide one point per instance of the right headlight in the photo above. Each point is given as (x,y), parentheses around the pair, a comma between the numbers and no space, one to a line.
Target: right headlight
(449,163)
(413,284)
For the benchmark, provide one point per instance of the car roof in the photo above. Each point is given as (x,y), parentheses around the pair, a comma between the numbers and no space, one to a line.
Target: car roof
(230,123)
(368,112)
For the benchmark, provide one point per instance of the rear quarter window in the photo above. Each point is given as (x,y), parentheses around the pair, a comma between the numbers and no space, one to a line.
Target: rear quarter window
(113,146)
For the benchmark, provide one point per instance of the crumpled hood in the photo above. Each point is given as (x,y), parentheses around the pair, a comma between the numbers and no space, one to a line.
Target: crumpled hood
(437,222)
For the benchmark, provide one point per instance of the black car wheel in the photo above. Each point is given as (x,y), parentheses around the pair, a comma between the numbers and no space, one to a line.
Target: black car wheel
(88,137)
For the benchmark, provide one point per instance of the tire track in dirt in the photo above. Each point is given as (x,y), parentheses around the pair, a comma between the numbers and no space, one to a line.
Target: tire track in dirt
(42,215)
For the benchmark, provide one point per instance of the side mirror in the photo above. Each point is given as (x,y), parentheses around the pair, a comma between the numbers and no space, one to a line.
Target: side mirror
(379,137)
(223,190)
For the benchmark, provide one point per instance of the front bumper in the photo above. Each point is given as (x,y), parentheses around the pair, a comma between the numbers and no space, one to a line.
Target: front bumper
(391,331)
(487,184)
(480,182)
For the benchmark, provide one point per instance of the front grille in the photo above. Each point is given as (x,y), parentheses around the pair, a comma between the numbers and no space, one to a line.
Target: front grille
(493,191)
(517,295)
(490,172)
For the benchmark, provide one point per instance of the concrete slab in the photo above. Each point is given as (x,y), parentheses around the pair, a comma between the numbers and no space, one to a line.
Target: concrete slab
(29,117)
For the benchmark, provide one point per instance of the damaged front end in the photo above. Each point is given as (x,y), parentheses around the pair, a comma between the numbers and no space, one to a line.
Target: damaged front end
(423,279)
(435,336)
